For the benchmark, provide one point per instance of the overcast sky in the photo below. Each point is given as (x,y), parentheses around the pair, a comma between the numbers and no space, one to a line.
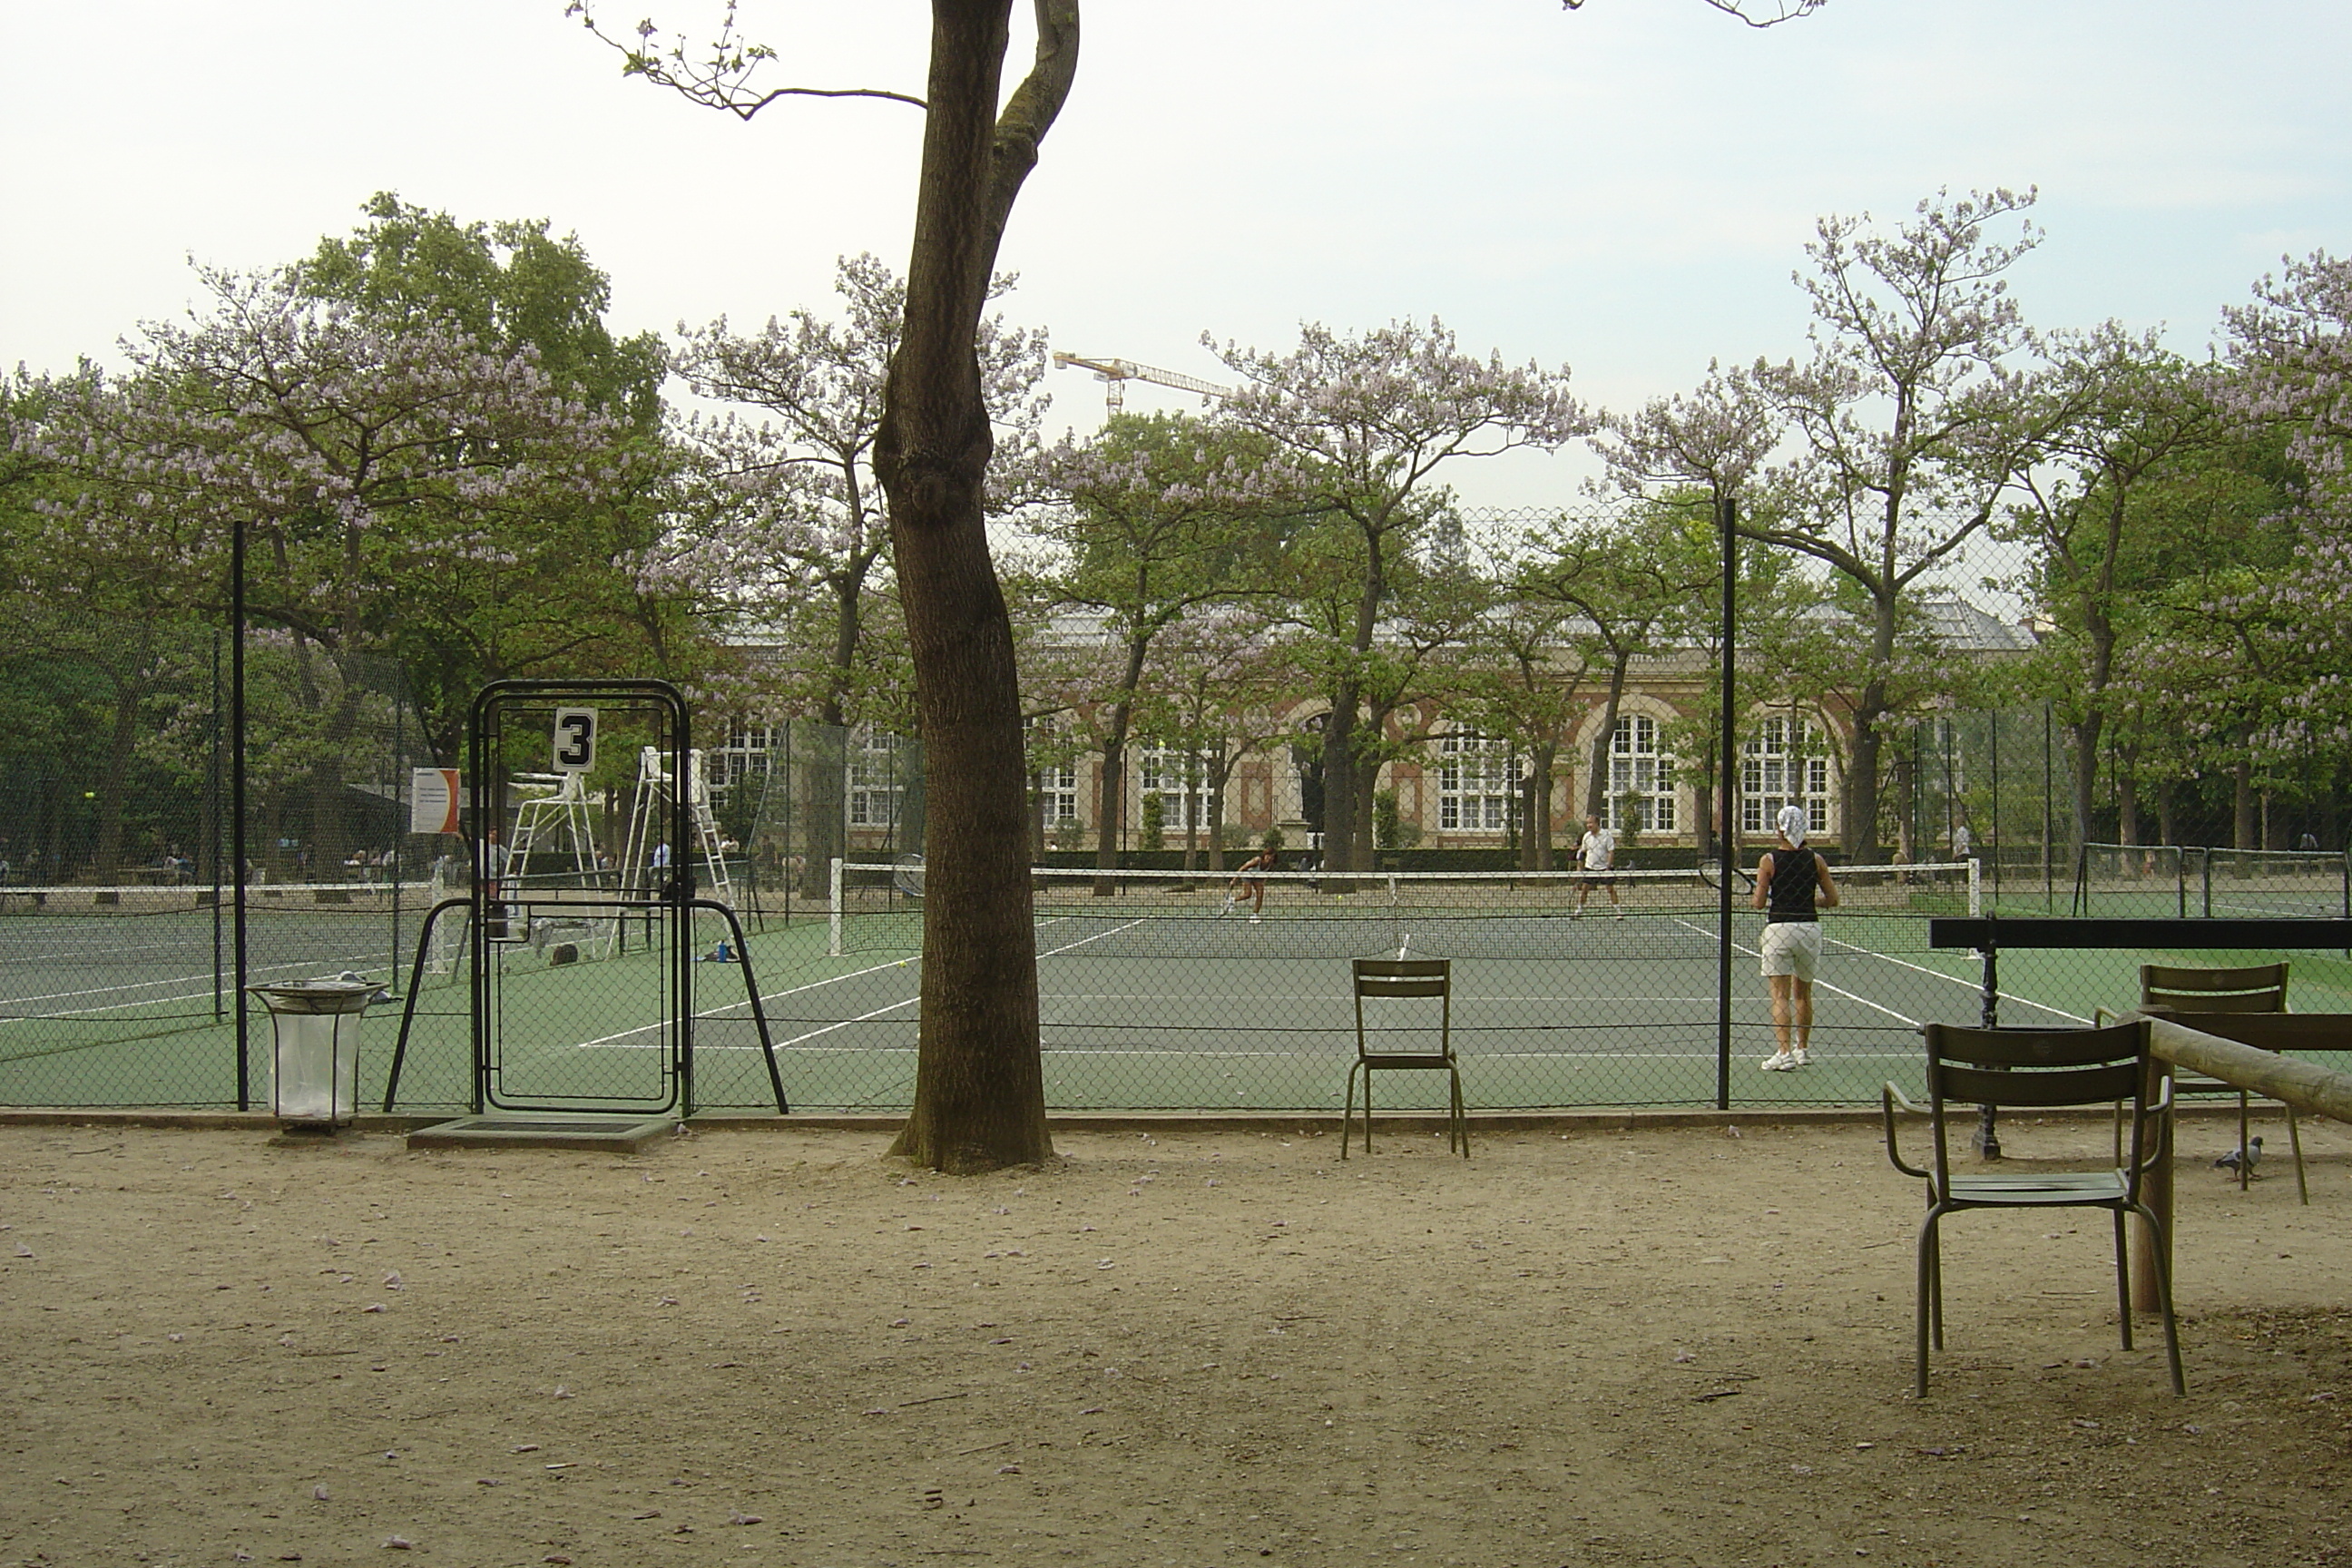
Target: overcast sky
(1624,189)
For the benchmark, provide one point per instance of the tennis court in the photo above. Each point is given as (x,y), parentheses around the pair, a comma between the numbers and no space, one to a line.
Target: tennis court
(1151,997)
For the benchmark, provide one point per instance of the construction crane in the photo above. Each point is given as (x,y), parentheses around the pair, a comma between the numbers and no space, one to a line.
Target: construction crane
(1114,373)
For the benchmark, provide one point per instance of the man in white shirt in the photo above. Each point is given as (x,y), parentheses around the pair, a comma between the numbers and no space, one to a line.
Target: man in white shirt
(1595,851)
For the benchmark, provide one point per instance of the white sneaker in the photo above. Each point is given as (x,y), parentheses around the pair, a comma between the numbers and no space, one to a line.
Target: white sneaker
(1577,913)
(1802,1057)
(1621,914)
(1780,1061)
(1255,919)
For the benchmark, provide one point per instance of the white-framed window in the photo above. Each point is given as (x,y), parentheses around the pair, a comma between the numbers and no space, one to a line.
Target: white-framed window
(877,778)
(1057,791)
(1475,784)
(1641,777)
(1785,762)
(746,754)
(1177,777)
(1057,781)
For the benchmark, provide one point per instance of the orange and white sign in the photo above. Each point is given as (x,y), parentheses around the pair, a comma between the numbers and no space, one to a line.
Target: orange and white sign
(433,800)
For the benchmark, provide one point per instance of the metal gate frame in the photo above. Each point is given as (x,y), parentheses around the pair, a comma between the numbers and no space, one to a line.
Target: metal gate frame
(662,906)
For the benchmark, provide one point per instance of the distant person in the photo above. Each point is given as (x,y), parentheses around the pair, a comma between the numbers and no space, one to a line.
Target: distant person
(660,861)
(1963,845)
(1245,886)
(1790,882)
(2309,844)
(1597,851)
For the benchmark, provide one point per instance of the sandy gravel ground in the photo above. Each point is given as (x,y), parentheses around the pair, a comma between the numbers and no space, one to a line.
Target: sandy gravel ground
(779,1347)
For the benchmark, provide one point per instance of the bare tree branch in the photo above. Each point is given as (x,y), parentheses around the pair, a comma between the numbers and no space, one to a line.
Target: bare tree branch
(1780,11)
(722,81)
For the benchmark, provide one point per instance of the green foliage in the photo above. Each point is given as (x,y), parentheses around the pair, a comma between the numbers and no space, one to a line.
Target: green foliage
(508,285)
(1390,830)
(1151,837)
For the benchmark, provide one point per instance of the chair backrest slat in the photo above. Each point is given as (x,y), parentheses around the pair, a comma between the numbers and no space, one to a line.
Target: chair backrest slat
(2033,1048)
(2039,1088)
(1419,966)
(1372,985)
(2248,988)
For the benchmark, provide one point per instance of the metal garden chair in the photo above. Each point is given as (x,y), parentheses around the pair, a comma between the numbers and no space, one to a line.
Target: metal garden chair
(2182,994)
(1405,977)
(2038,1070)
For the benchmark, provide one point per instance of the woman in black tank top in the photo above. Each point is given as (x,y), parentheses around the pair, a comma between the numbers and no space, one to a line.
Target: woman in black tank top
(1791,884)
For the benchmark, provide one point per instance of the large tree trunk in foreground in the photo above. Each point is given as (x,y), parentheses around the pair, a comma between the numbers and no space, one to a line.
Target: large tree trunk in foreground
(979,1097)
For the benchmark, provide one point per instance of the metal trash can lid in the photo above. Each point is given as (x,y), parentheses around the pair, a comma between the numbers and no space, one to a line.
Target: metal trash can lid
(316,996)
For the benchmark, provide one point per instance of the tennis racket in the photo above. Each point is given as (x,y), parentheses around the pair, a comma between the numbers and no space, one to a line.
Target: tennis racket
(906,875)
(1711,873)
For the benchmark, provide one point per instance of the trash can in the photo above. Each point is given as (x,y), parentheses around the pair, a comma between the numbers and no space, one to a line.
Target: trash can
(315,1050)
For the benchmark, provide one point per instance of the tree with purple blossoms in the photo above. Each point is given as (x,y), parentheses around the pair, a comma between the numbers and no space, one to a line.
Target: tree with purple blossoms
(979,1089)
(1357,427)
(1914,415)
(1148,527)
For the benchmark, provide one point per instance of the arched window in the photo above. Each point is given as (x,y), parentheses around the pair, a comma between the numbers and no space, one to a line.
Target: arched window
(1641,777)
(1784,763)
(1473,784)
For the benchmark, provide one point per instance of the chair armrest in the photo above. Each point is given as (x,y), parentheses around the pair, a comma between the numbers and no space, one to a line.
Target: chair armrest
(1889,1097)
(2101,1017)
(2160,1110)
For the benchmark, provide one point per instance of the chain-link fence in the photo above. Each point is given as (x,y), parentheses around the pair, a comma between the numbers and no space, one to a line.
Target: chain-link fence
(120,931)
(1949,726)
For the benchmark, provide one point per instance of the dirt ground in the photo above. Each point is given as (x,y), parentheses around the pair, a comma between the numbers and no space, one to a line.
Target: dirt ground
(779,1347)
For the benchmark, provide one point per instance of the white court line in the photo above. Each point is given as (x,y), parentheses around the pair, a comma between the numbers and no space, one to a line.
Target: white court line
(765,998)
(227,994)
(1976,987)
(1820,984)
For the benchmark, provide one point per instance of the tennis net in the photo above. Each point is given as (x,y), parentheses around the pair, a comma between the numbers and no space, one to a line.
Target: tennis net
(139,955)
(2201,881)
(1630,914)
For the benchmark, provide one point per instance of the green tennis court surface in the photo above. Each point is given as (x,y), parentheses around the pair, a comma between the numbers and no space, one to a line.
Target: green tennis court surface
(1140,1011)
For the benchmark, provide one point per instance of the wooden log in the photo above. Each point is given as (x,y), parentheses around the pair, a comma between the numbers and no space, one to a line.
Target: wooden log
(2243,1048)
(2240,1048)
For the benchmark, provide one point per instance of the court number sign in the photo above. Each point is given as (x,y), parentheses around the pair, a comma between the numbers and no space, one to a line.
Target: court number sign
(575,740)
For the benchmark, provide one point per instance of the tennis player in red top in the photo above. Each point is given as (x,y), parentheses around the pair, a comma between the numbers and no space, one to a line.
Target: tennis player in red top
(1245,886)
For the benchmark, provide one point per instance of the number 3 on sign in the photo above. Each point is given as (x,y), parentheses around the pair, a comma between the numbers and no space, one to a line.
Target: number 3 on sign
(575,740)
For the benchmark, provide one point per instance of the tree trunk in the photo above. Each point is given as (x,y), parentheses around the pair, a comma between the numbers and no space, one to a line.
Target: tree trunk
(979,1099)
(2167,824)
(1907,784)
(2127,799)
(1219,771)
(1339,781)
(1535,847)
(2242,803)
(1110,795)
(125,735)
(2085,737)
(1596,787)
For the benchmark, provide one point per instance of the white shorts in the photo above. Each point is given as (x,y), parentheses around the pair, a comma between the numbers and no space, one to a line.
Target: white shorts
(1791,947)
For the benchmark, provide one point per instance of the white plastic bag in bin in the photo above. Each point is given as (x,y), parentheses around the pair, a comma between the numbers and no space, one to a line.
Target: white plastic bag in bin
(315,1048)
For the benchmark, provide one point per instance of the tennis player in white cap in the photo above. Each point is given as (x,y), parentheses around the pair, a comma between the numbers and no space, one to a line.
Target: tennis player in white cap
(1791,882)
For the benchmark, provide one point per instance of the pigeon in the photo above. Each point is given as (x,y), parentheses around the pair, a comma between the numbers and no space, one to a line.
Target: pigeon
(354,978)
(2249,1156)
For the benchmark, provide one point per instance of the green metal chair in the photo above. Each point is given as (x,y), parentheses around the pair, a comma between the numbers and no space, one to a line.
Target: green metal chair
(2038,1070)
(2182,994)
(1383,978)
